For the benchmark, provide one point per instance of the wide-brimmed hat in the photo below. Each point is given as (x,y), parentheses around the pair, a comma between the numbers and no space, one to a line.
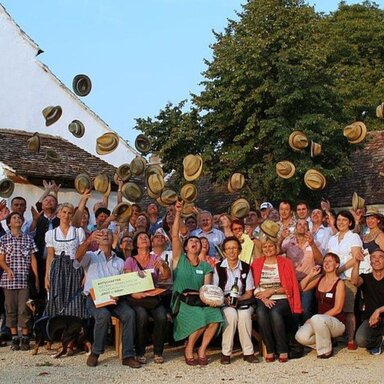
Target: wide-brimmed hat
(33,143)
(188,193)
(52,114)
(240,208)
(123,212)
(285,169)
(314,179)
(235,182)
(101,183)
(107,143)
(124,172)
(298,140)
(357,202)
(138,165)
(81,85)
(380,111)
(52,156)
(155,183)
(77,128)
(270,229)
(6,187)
(132,191)
(355,132)
(83,183)
(143,144)
(373,211)
(154,168)
(315,149)
(168,196)
(193,165)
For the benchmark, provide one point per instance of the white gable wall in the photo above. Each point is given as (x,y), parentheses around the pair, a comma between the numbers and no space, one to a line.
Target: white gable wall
(27,87)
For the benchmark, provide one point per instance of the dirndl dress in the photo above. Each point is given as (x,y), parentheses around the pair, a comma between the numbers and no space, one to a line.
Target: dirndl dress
(65,290)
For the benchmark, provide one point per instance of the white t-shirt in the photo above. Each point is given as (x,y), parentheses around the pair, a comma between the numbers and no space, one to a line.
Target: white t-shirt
(343,249)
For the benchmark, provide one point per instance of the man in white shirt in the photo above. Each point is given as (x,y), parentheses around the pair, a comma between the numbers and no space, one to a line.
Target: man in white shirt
(99,264)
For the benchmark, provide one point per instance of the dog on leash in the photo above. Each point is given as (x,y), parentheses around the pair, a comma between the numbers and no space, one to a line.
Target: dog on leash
(69,330)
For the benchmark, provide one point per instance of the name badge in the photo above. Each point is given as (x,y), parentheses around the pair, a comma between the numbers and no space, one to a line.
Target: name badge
(329,295)
(199,271)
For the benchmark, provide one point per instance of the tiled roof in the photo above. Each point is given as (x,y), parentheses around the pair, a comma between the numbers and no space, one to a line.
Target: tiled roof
(34,167)
(365,179)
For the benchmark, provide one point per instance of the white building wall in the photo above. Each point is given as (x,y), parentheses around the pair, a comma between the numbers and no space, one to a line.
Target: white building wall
(27,87)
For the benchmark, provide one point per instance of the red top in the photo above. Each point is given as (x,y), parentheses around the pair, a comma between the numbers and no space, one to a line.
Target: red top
(287,278)
(326,300)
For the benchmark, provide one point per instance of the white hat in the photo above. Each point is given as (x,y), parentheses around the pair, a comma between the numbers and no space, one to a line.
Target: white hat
(161,232)
(265,205)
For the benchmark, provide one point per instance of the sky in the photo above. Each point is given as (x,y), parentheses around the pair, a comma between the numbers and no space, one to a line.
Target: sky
(139,54)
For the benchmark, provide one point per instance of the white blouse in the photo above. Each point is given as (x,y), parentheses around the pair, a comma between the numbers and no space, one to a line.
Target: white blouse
(55,238)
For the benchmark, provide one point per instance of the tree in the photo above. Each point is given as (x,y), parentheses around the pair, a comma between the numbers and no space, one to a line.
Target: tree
(274,71)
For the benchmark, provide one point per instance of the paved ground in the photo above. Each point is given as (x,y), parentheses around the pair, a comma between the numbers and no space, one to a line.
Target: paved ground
(344,367)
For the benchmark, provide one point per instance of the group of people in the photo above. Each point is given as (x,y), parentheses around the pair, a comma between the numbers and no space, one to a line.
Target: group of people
(303,278)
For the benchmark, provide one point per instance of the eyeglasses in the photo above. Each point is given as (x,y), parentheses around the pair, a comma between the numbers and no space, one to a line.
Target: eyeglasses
(231,249)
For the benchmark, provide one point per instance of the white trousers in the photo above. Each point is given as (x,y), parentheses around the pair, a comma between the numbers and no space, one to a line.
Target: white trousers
(240,319)
(317,333)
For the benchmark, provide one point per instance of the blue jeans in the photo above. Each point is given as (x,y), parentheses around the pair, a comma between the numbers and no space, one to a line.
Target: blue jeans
(307,302)
(272,325)
(159,315)
(102,318)
(368,337)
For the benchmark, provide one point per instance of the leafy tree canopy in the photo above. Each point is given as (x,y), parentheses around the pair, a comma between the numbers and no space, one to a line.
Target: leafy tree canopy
(281,67)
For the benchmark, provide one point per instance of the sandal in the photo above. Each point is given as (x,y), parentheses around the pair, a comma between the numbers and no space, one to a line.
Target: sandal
(203,360)
(158,359)
(270,358)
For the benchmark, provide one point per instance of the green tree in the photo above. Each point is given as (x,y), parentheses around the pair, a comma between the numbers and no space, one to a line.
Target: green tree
(281,67)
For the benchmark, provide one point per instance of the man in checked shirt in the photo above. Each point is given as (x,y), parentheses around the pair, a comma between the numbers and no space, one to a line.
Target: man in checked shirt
(17,258)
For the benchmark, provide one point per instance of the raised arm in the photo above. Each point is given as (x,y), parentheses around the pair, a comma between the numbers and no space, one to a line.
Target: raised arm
(76,218)
(310,281)
(177,247)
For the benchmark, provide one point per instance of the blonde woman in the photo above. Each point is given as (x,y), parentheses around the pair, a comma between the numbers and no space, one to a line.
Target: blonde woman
(62,279)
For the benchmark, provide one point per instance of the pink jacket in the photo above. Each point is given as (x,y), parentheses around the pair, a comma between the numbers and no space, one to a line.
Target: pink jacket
(287,277)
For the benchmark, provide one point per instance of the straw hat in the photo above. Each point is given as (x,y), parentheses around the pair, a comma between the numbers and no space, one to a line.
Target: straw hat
(315,149)
(270,229)
(81,85)
(154,168)
(33,143)
(153,195)
(143,144)
(240,208)
(357,202)
(107,143)
(380,111)
(298,140)
(52,114)
(236,182)
(77,128)
(138,165)
(188,193)
(285,169)
(124,172)
(155,183)
(52,156)
(131,191)
(193,165)
(82,183)
(314,179)
(374,211)
(168,196)
(101,183)
(6,187)
(188,210)
(123,212)
(355,132)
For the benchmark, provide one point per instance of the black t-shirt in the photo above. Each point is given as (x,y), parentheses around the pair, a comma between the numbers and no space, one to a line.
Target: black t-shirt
(373,292)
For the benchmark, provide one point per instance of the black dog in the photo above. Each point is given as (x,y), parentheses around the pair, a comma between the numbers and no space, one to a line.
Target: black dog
(69,330)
